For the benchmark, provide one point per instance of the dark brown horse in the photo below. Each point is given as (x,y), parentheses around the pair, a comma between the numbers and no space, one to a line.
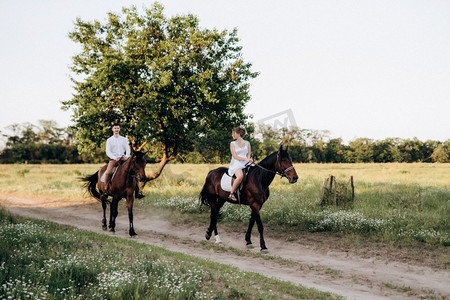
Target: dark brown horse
(255,192)
(123,185)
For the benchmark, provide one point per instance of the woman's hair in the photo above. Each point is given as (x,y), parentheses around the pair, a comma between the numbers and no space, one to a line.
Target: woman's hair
(240,130)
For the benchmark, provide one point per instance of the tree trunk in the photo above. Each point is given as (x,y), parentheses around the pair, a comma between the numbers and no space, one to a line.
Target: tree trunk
(161,166)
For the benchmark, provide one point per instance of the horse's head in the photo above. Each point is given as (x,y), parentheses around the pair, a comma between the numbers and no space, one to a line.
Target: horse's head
(138,162)
(284,165)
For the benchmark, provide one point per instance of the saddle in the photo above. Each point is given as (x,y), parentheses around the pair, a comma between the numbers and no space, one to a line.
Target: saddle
(227,181)
(102,179)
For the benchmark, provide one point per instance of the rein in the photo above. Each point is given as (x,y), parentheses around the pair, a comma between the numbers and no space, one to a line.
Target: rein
(282,173)
(137,176)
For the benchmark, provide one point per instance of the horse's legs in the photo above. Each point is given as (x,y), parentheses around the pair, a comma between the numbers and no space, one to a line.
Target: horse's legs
(104,215)
(213,222)
(113,214)
(130,201)
(209,230)
(249,230)
(260,230)
(215,209)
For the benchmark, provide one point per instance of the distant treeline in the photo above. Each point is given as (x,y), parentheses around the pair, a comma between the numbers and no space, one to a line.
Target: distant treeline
(307,145)
(46,143)
(43,143)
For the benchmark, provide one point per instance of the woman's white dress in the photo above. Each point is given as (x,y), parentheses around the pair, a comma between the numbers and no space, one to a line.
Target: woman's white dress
(238,164)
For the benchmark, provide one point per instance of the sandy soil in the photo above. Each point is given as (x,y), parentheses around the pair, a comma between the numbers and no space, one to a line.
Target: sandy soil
(336,271)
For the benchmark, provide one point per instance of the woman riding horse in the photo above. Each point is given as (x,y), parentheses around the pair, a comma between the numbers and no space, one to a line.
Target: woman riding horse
(241,153)
(255,192)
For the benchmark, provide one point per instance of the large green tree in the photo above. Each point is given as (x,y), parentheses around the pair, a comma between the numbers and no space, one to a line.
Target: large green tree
(165,80)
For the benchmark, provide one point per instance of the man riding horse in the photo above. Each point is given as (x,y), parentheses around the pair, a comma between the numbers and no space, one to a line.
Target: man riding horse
(124,172)
(118,150)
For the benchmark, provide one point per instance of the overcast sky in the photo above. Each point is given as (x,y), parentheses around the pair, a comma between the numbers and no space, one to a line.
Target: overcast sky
(359,68)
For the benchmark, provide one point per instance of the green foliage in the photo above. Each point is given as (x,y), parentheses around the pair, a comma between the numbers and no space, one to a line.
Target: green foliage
(307,145)
(442,153)
(165,80)
(41,153)
(194,157)
(46,132)
(44,143)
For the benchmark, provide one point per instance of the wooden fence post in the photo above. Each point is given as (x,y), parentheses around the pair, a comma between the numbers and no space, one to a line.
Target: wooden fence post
(335,192)
(323,191)
(353,188)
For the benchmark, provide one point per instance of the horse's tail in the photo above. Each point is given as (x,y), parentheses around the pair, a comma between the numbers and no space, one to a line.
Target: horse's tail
(91,185)
(203,197)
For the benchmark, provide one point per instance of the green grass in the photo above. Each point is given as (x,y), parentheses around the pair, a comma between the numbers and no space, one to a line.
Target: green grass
(43,260)
(408,203)
(403,288)
(395,204)
(405,203)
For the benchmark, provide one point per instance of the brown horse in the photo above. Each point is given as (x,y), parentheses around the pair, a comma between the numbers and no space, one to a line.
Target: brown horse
(123,185)
(254,193)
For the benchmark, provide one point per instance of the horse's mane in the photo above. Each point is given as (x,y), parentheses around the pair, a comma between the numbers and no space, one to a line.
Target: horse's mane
(138,155)
(268,161)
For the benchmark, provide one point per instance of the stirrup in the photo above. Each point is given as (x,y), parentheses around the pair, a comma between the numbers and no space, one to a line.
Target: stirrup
(104,196)
(232,197)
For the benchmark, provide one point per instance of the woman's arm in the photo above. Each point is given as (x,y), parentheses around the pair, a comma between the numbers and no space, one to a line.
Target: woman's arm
(235,156)
(249,154)
(233,152)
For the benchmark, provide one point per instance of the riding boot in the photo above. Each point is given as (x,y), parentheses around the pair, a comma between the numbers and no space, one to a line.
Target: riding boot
(106,191)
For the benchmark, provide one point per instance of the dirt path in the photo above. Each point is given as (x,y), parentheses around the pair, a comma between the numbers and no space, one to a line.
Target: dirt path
(334,271)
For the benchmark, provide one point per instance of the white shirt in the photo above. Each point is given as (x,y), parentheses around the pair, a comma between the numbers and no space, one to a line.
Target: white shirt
(238,164)
(117,146)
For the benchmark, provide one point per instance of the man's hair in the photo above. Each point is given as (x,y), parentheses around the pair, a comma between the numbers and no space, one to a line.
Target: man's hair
(115,124)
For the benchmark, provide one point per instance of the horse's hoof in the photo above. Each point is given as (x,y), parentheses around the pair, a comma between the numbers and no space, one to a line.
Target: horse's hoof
(112,230)
(250,246)
(104,228)
(265,251)
(132,234)
(207,236)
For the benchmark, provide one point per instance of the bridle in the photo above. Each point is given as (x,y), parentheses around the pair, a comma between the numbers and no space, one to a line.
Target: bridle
(137,176)
(282,174)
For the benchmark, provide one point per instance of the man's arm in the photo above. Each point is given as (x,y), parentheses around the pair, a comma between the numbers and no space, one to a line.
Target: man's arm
(127,148)
(108,149)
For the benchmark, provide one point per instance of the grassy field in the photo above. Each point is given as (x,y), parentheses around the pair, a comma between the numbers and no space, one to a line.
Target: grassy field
(401,204)
(43,260)
(408,203)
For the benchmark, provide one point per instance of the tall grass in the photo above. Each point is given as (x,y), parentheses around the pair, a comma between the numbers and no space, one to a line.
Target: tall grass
(43,260)
(395,202)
